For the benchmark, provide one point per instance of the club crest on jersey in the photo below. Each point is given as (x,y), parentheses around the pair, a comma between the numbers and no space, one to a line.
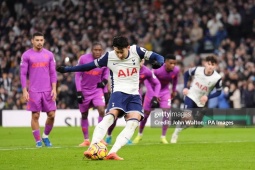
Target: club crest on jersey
(201,87)
(127,72)
(133,60)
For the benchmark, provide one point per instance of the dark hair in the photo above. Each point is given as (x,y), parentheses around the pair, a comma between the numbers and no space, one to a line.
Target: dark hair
(37,34)
(120,42)
(96,43)
(170,57)
(211,59)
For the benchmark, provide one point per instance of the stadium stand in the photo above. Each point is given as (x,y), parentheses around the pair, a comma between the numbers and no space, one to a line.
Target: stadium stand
(188,28)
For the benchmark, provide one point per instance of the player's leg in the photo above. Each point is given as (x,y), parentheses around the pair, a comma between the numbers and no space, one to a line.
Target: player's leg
(34,105)
(186,115)
(48,128)
(125,135)
(48,106)
(101,129)
(101,111)
(113,111)
(99,102)
(139,136)
(108,138)
(84,109)
(133,116)
(36,128)
(147,110)
(85,128)
(165,104)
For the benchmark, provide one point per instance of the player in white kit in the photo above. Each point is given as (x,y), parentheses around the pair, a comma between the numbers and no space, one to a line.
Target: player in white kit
(124,65)
(205,80)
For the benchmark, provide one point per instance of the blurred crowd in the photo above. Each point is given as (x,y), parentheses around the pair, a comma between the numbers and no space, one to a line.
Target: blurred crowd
(191,29)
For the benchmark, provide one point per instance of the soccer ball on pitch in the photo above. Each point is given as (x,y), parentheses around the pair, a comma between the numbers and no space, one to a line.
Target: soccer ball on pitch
(98,151)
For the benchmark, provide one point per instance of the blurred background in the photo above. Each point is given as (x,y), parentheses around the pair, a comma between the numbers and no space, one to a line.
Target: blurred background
(191,29)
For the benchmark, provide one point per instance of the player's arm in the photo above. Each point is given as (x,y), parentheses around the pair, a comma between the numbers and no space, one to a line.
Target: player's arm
(155,100)
(104,80)
(218,87)
(152,79)
(23,75)
(78,76)
(105,77)
(53,78)
(188,74)
(100,62)
(174,82)
(155,59)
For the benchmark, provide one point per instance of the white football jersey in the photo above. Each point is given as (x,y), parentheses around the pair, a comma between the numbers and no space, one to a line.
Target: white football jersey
(124,73)
(202,84)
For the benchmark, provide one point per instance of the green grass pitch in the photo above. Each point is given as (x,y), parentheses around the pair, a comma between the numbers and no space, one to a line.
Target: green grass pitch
(197,148)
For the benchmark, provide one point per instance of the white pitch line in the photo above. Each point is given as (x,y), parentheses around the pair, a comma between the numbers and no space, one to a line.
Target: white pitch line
(140,144)
(20,148)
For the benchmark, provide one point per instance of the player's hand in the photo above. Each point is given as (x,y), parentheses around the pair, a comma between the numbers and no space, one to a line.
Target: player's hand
(25,95)
(185,91)
(61,69)
(80,97)
(203,99)
(102,84)
(154,102)
(54,95)
(156,65)
(173,94)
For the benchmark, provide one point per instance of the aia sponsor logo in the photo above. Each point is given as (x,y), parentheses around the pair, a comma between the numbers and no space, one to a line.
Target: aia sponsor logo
(201,87)
(127,72)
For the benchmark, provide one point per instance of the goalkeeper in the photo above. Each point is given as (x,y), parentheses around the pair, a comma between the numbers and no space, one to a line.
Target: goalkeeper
(91,90)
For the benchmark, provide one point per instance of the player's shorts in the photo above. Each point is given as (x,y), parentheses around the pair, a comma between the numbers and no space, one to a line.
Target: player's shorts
(126,103)
(147,102)
(41,101)
(189,103)
(93,100)
(165,101)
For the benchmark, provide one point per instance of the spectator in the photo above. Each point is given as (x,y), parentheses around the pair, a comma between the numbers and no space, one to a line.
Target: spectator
(70,27)
(223,99)
(234,96)
(196,35)
(249,96)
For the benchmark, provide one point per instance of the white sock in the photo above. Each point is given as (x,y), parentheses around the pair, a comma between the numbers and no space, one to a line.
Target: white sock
(44,136)
(102,128)
(125,135)
(177,130)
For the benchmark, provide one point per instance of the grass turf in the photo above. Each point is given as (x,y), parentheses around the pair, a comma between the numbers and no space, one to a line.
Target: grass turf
(197,148)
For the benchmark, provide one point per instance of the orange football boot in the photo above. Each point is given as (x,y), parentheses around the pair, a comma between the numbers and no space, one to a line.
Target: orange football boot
(87,154)
(85,143)
(113,156)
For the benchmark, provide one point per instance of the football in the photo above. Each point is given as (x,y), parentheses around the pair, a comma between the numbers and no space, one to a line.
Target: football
(98,151)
